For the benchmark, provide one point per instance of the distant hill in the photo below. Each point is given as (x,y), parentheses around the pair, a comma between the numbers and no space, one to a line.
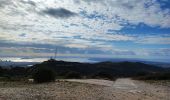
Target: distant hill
(8,64)
(124,69)
(156,63)
(106,70)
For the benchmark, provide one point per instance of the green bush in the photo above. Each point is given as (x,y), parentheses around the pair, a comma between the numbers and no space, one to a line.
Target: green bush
(103,75)
(73,74)
(156,76)
(43,75)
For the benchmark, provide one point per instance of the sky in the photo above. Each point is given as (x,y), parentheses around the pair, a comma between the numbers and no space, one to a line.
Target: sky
(131,29)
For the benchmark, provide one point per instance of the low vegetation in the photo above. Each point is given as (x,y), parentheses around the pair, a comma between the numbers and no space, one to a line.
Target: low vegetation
(104,75)
(73,75)
(44,75)
(155,76)
(49,70)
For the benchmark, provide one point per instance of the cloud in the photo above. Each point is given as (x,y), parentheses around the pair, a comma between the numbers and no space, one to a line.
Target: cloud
(160,52)
(157,52)
(59,12)
(22,35)
(47,52)
(157,40)
(134,12)
(3,3)
(29,2)
(98,26)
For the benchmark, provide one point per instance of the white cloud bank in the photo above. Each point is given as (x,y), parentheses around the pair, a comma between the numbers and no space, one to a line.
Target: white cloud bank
(79,23)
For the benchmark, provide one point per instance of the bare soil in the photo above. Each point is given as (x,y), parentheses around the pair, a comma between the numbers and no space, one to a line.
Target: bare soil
(121,89)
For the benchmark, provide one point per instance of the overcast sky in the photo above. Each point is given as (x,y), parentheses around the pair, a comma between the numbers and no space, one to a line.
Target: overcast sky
(86,28)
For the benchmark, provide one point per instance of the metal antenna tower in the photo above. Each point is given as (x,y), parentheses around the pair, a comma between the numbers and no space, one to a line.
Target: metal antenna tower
(56,51)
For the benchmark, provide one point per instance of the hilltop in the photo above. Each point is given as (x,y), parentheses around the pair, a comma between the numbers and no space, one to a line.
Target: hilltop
(106,70)
(116,69)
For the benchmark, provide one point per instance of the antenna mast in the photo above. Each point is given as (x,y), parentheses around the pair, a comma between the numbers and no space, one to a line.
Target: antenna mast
(55,55)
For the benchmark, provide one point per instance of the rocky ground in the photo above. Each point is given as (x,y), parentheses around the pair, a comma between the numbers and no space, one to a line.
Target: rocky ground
(121,89)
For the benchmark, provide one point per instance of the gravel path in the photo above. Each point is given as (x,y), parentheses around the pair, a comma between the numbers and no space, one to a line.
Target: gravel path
(127,84)
(93,81)
(121,89)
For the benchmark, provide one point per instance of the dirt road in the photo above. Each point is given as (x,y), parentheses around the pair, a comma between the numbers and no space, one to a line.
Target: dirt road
(127,89)
(125,84)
